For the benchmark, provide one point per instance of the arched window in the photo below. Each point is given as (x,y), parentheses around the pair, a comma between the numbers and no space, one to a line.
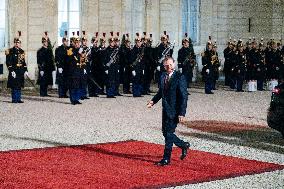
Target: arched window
(3,24)
(190,19)
(68,17)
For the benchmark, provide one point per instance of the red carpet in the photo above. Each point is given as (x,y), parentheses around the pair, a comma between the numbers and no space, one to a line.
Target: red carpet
(117,165)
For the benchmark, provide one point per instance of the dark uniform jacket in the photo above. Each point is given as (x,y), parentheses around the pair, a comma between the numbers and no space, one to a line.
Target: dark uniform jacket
(46,64)
(186,58)
(60,60)
(15,61)
(207,65)
(74,64)
(174,96)
(111,66)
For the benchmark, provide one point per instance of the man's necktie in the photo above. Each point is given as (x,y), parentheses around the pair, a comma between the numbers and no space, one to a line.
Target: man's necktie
(166,82)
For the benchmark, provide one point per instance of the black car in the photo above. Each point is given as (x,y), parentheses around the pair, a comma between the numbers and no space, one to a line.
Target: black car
(275,116)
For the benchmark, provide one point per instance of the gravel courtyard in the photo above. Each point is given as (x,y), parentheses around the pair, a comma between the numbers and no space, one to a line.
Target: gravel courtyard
(45,122)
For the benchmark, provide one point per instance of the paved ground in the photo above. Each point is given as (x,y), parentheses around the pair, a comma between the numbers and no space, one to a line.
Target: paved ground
(42,122)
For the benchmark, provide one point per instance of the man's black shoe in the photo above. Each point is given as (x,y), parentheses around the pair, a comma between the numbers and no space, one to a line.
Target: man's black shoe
(210,92)
(240,91)
(86,98)
(110,96)
(119,94)
(184,150)
(77,102)
(163,162)
(20,101)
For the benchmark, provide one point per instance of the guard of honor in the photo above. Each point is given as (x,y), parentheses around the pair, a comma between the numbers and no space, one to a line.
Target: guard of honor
(254,64)
(89,71)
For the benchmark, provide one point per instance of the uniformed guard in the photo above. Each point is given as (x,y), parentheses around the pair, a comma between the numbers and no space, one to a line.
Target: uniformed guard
(45,62)
(150,65)
(207,70)
(119,79)
(228,52)
(186,59)
(85,65)
(61,64)
(125,60)
(273,62)
(215,65)
(260,66)
(253,59)
(102,76)
(239,66)
(165,49)
(16,64)
(111,67)
(137,59)
(96,69)
(75,62)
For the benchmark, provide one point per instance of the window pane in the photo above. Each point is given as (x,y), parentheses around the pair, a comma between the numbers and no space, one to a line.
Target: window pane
(2,38)
(62,23)
(62,5)
(2,19)
(74,19)
(74,5)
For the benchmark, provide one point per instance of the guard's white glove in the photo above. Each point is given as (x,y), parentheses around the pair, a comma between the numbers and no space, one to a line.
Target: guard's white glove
(143,72)
(124,70)
(85,71)
(41,73)
(117,71)
(60,70)
(134,73)
(180,70)
(219,68)
(13,74)
(207,71)
(277,68)
(80,50)
(159,68)
(106,71)
(26,74)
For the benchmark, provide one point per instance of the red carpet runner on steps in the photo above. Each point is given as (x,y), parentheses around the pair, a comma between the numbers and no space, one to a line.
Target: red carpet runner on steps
(128,164)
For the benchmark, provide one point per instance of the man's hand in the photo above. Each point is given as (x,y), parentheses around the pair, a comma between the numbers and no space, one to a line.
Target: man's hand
(181,119)
(106,71)
(41,73)
(150,104)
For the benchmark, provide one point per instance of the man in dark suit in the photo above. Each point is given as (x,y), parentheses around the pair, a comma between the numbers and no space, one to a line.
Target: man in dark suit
(173,92)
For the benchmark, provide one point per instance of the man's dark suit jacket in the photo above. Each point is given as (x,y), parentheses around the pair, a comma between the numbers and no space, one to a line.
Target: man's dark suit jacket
(174,99)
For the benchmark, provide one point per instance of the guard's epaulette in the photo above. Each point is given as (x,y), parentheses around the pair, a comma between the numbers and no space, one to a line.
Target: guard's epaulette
(70,52)
(7,52)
